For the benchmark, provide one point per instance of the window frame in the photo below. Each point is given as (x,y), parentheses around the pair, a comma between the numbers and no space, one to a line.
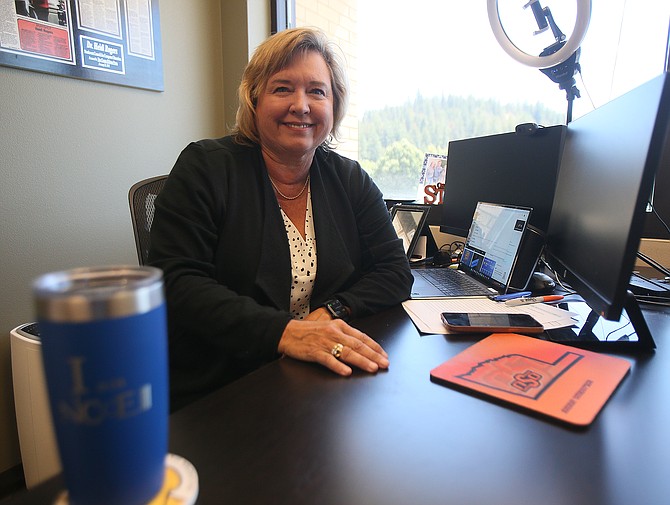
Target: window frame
(282,15)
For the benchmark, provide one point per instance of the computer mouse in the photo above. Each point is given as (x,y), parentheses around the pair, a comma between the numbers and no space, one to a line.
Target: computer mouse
(444,257)
(540,283)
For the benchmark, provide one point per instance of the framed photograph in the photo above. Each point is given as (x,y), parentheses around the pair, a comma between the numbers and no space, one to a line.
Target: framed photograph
(431,182)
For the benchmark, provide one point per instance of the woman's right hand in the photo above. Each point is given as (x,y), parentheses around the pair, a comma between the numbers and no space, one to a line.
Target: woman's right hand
(316,339)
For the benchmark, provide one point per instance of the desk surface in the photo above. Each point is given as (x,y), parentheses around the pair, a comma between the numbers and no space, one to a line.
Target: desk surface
(294,433)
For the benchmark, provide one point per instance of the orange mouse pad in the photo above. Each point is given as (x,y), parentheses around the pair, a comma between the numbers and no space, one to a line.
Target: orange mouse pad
(555,380)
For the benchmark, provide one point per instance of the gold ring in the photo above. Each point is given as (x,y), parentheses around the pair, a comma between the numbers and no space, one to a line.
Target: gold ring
(337,350)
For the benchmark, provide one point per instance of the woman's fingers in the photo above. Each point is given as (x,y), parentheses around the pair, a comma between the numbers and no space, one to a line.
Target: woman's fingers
(334,344)
(365,354)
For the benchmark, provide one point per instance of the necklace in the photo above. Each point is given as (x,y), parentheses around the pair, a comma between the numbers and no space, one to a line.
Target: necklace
(304,187)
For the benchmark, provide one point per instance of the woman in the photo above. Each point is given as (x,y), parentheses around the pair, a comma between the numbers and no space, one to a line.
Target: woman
(268,239)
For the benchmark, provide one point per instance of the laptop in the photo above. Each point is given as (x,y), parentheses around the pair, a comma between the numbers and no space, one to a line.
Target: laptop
(488,259)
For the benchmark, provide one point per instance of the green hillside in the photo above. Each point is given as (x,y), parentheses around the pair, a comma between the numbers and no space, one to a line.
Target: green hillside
(394,140)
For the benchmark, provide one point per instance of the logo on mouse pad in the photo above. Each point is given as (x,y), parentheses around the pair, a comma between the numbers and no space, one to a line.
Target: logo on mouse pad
(519,374)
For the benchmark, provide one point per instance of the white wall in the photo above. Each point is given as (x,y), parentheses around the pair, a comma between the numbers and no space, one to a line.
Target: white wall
(70,149)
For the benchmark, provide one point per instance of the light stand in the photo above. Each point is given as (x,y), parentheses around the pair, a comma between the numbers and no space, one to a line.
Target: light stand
(562,73)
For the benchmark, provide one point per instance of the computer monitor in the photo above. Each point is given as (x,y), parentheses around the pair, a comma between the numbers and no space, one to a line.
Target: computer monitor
(508,168)
(517,168)
(606,174)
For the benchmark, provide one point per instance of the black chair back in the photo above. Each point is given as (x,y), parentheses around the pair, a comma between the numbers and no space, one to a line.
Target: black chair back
(141,198)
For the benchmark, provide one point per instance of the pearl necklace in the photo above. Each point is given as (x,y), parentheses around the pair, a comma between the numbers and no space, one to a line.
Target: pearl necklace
(289,197)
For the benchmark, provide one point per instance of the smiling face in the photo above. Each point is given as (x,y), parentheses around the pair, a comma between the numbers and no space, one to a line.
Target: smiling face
(294,113)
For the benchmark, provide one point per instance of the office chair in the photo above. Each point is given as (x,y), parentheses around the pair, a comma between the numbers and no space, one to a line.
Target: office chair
(141,198)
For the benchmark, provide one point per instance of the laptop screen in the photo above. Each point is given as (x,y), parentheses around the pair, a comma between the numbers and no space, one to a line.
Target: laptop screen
(492,246)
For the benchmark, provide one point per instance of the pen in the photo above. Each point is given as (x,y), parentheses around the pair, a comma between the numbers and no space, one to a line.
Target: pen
(534,299)
(510,296)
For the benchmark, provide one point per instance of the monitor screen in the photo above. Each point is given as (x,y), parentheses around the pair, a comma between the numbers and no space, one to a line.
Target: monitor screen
(508,168)
(606,174)
(492,246)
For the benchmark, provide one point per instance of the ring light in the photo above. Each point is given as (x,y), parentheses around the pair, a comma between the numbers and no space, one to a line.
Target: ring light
(573,43)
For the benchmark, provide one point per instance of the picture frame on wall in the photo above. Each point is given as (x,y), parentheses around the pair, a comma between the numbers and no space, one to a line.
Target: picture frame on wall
(117,42)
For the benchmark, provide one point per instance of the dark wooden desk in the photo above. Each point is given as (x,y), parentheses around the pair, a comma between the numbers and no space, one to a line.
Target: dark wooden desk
(293,433)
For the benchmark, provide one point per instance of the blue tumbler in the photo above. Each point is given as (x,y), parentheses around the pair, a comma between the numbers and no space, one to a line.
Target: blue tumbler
(104,344)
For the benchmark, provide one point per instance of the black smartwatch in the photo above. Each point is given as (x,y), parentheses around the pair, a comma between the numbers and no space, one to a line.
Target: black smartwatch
(337,309)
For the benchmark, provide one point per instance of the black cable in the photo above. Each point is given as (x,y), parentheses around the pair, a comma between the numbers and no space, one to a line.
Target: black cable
(665,225)
(627,322)
(653,263)
(564,286)
(653,300)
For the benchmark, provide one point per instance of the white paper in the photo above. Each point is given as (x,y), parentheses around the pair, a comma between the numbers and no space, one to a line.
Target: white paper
(426,313)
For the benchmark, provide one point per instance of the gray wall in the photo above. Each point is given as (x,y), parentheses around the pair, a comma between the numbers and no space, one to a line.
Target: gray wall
(70,150)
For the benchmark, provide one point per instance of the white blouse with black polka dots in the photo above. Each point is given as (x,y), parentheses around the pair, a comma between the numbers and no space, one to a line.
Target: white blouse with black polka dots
(303,261)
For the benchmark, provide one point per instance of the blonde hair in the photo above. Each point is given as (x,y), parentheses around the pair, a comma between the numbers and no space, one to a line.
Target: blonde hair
(275,54)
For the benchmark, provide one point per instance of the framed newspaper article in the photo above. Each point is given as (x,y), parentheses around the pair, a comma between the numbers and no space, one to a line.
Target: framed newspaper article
(113,41)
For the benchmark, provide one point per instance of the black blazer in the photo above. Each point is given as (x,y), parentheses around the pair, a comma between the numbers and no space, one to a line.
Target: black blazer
(220,239)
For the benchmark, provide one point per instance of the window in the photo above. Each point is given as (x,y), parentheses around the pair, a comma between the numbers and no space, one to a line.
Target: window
(432,73)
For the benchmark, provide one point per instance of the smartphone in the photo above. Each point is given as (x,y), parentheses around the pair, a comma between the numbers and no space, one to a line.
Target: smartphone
(463,322)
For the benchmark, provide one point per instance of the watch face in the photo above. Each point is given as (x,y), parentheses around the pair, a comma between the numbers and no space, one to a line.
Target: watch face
(337,309)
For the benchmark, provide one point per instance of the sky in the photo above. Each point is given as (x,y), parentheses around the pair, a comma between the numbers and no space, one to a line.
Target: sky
(445,47)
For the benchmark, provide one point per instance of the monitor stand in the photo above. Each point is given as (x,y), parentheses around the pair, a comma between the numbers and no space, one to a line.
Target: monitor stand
(645,341)
(585,337)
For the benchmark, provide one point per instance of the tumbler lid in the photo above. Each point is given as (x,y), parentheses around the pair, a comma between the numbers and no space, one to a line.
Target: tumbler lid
(94,293)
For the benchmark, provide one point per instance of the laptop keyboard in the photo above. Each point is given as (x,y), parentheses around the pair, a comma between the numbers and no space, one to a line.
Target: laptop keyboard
(452,283)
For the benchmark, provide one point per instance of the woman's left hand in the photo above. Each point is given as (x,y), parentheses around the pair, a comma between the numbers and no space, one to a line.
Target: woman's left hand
(332,343)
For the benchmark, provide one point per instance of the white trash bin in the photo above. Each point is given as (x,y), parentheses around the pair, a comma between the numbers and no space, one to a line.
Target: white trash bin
(37,441)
